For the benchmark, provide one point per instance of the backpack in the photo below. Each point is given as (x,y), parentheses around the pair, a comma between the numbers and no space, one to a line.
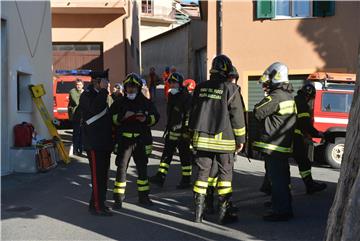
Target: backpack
(23,134)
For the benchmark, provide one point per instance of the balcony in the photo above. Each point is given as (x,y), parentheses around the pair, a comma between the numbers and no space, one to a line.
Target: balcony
(88,7)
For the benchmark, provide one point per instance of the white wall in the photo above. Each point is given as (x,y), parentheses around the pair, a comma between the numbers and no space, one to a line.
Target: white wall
(29,50)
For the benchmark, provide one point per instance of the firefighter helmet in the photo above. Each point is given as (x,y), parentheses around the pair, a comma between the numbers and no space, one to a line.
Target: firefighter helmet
(234,73)
(308,90)
(132,79)
(221,64)
(275,74)
(176,77)
(190,84)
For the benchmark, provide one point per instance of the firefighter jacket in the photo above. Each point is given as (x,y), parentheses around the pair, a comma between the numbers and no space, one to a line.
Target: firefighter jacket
(303,121)
(95,119)
(178,108)
(130,127)
(217,116)
(277,116)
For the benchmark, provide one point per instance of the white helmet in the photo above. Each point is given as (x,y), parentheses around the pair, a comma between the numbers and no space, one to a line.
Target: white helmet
(275,74)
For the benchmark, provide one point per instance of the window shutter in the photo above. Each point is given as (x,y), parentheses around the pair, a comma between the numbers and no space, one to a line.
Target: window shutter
(265,9)
(323,8)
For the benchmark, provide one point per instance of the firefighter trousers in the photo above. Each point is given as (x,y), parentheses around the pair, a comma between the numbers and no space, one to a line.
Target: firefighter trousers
(99,165)
(224,162)
(301,157)
(128,147)
(278,171)
(185,154)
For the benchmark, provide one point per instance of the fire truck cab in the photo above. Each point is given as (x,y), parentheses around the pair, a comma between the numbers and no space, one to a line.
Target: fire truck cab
(332,103)
(63,82)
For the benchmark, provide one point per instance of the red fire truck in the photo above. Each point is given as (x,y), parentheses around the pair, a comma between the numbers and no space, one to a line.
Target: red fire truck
(332,103)
(63,82)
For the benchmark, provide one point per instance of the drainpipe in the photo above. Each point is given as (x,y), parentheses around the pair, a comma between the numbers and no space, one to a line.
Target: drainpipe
(124,37)
(218,27)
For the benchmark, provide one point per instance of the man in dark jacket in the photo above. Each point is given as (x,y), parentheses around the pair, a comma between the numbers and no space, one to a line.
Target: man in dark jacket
(177,133)
(277,116)
(217,120)
(96,122)
(305,129)
(75,116)
(134,115)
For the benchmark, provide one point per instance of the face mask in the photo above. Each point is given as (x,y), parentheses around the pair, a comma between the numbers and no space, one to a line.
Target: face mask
(131,96)
(174,91)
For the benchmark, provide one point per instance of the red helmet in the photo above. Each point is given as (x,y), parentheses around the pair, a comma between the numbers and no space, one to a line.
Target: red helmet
(190,84)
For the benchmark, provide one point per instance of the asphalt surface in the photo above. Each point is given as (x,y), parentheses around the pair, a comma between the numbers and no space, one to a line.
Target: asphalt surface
(53,205)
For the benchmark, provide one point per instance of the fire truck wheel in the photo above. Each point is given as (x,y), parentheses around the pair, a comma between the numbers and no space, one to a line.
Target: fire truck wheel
(334,152)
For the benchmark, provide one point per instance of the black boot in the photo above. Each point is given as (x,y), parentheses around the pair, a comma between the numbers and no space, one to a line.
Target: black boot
(199,207)
(312,186)
(209,201)
(144,198)
(184,183)
(227,213)
(158,179)
(266,186)
(118,198)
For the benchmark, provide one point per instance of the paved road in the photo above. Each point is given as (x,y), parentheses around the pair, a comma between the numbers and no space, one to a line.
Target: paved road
(53,205)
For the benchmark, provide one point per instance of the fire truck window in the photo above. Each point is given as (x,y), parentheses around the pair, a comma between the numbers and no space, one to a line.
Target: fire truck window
(64,87)
(336,102)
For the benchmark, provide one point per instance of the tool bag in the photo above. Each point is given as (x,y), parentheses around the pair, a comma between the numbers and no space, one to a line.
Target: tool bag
(23,134)
(46,155)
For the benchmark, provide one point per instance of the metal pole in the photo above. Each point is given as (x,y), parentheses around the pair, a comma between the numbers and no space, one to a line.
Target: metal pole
(219,27)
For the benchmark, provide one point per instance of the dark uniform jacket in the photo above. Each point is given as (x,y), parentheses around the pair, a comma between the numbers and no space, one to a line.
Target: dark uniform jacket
(277,116)
(217,116)
(178,108)
(97,135)
(130,128)
(303,122)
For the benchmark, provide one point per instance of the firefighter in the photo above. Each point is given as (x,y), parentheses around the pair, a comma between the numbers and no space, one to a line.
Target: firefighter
(133,116)
(96,123)
(218,126)
(277,116)
(233,77)
(176,134)
(305,129)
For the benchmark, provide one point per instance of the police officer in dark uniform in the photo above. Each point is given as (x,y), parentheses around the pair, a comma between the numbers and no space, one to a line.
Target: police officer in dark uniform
(96,123)
(305,129)
(276,114)
(133,115)
(177,133)
(217,121)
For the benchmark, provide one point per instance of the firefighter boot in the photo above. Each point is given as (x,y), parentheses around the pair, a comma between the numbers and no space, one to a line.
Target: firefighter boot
(209,201)
(118,198)
(184,183)
(144,198)
(199,207)
(158,179)
(227,214)
(266,186)
(312,186)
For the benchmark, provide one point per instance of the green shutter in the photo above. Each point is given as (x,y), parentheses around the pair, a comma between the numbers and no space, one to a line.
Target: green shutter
(323,8)
(265,9)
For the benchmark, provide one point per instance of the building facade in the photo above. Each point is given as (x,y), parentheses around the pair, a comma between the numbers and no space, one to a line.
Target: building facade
(308,36)
(25,59)
(96,35)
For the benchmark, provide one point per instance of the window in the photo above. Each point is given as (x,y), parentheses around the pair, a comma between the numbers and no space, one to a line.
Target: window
(147,6)
(64,87)
(336,102)
(24,101)
(277,9)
